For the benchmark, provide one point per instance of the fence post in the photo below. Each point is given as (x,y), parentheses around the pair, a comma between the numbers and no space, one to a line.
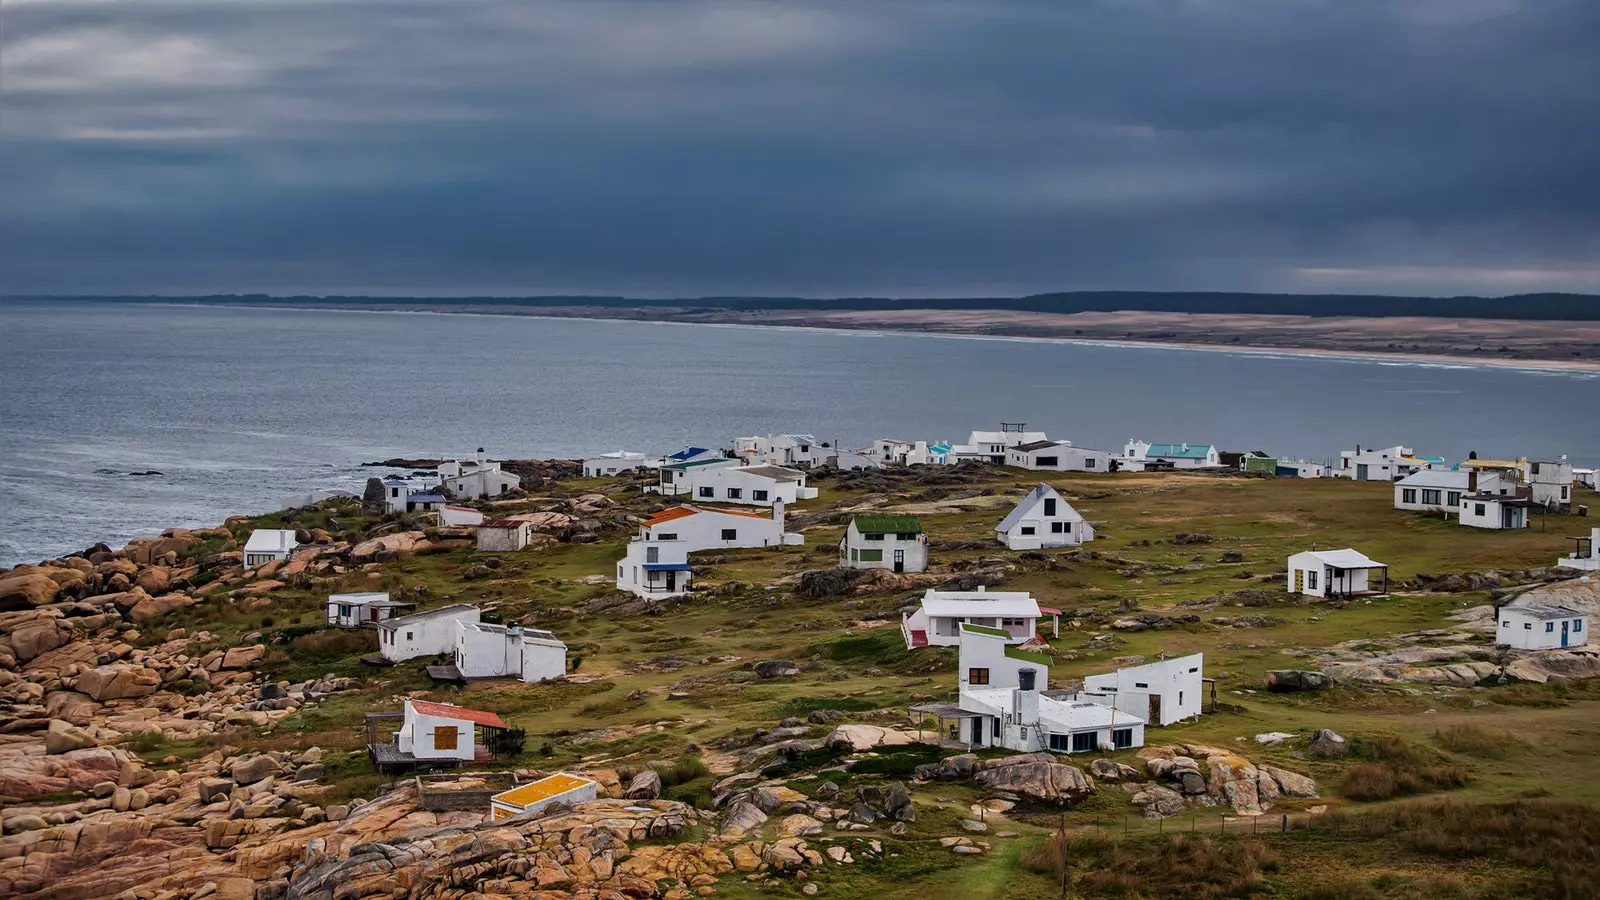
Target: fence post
(1285,827)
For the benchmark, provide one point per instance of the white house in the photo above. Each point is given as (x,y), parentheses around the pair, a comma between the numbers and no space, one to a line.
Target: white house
(1433,490)
(1507,508)
(442,731)
(267,545)
(423,633)
(363,610)
(689,454)
(475,479)
(1586,555)
(1160,692)
(459,516)
(1001,704)
(1043,519)
(851,460)
(726,481)
(1057,456)
(655,569)
(1551,482)
(923,453)
(486,650)
(1138,455)
(504,535)
(780,450)
(1540,627)
(1334,573)
(895,543)
(890,451)
(618,463)
(707,528)
(562,787)
(937,621)
(991,446)
(401,496)
(1302,468)
(1383,464)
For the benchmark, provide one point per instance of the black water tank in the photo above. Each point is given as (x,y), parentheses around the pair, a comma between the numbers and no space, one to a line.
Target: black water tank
(1025,679)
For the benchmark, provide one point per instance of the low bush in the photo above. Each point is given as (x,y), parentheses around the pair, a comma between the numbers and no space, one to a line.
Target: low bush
(1392,767)
(1476,740)
(1185,867)
(334,642)
(898,761)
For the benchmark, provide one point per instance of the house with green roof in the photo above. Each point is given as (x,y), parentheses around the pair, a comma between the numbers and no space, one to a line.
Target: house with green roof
(895,543)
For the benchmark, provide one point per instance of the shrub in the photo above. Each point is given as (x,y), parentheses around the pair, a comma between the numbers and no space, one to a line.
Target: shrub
(1185,867)
(335,642)
(1392,767)
(1475,740)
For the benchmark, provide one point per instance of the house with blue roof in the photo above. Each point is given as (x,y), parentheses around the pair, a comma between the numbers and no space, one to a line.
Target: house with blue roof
(689,454)
(1139,455)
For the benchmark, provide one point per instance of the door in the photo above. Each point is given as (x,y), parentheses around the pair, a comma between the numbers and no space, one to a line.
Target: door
(899,560)
(1299,581)
(1155,710)
(1361,472)
(1564,626)
(672,580)
(977,731)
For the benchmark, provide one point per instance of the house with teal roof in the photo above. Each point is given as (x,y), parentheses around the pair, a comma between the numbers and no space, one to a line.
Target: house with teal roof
(1139,455)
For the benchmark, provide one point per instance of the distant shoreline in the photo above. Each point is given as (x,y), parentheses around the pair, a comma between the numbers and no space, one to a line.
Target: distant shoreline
(1233,337)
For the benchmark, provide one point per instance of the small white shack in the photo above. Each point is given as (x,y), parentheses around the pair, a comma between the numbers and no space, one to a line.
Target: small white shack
(423,633)
(1043,519)
(504,536)
(1160,692)
(562,787)
(459,516)
(937,621)
(619,462)
(486,650)
(1057,456)
(1497,511)
(1334,573)
(268,545)
(363,610)
(1540,627)
(442,731)
(895,543)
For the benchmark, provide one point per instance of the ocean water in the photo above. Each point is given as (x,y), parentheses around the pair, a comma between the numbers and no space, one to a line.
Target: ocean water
(238,408)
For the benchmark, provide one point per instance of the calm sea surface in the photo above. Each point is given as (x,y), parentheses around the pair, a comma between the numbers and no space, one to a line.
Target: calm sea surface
(237,408)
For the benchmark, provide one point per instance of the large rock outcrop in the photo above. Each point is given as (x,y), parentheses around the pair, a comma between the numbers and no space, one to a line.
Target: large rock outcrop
(1038,775)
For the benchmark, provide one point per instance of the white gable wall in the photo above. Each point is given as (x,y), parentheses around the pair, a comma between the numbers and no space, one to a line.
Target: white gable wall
(406,638)
(1160,692)
(1516,628)
(418,736)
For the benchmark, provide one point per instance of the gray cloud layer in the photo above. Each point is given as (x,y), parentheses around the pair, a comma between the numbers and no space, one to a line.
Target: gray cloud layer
(709,146)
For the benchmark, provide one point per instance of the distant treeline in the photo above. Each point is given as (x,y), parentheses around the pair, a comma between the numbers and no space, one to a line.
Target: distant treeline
(1569,307)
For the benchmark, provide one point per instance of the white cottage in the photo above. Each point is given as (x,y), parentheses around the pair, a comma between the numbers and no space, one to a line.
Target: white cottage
(425,633)
(504,536)
(619,462)
(1433,490)
(1540,627)
(562,787)
(364,610)
(269,545)
(655,570)
(1550,482)
(459,516)
(486,650)
(1383,464)
(656,563)
(1334,573)
(1043,519)
(991,446)
(895,543)
(781,450)
(1160,692)
(475,479)
(1057,456)
(1497,510)
(726,481)
(1001,704)
(1139,455)
(442,731)
(937,621)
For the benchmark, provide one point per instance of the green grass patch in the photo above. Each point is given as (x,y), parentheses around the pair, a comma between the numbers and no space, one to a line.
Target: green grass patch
(800,707)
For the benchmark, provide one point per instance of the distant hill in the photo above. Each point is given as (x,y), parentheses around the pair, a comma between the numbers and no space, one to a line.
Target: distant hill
(1558,307)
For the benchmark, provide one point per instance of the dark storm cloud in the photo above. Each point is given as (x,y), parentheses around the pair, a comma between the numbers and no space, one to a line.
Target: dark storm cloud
(456,146)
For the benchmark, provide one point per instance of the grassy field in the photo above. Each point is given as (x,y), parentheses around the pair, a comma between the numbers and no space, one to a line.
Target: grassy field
(1508,743)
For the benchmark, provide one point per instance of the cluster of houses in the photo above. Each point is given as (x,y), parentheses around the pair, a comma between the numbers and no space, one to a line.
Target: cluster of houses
(1485,493)
(476,649)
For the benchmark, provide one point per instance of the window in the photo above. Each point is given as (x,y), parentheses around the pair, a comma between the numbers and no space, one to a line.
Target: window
(1088,462)
(1014,622)
(344,609)
(1506,624)
(730,534)
(444,737)
(1180,699)
(1564,490)
(394,492)
(735,493)
(1577,625)
(1193,669)
(619,572)
(1122,738)
(652,554)
(872,537)
(1027,529)
(1141,684)
(905,537)
(1430,497)
(758,496)
(855,556)
(1527,626)
(977,676)
(1059,742)
(1048,462)
(1311,579)
(1084,741)
(1049,506)
(708,493)
(408,635)
(1549,627)
(1453,498)
(1477,509)
(872,556)
(1408,495)
(667,536)
(1055,527)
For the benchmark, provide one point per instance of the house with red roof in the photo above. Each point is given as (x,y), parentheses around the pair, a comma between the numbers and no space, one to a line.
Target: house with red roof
(443,732)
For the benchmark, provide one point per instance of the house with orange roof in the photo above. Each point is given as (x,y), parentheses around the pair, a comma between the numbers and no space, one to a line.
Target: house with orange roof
(656,564)
(437,734)
(535,796)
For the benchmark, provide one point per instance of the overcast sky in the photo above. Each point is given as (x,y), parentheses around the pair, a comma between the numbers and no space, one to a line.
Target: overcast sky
(677,147)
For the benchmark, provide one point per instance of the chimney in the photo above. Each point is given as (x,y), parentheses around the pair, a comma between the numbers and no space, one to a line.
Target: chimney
(777,517)
(1025,699)
(1472,480)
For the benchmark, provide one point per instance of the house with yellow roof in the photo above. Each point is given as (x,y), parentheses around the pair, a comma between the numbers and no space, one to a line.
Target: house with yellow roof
(535,796)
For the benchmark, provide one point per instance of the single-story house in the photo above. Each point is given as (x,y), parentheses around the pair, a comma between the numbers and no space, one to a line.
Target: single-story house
(1586,555)
(895,543)
(486,650)
(268,545)
(1179,456)
(1301,468)
(619,462)
(1498,510)
(1001,704)
(711,528)
(689,454)
(1057,456)
(937,621)
(1433,490)
(1161,693)
(425,633)
(459,516)
(364,610)
(443,731)
(780,450)
(1043,519)
(562,787)
(1333,573)
(504,535)
(1589,478)
(1540,627)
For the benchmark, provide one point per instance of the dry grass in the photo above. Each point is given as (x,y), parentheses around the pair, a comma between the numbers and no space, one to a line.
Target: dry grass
(1476,740)
(1392,767)
(1185,867)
